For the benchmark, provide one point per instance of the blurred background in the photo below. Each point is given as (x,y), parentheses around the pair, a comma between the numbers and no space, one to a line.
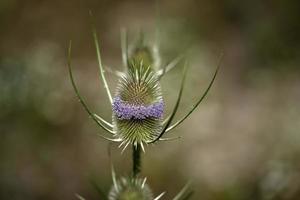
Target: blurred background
(242,142)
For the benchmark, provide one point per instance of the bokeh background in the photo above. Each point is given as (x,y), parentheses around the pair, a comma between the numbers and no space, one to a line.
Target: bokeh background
(242,143)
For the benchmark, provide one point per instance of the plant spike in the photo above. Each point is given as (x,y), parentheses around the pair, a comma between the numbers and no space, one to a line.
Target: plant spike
(200,100)
(78,94)
(124,47)
(174,63)
(170,138)
(166,119)
(143,148)
(109,139)
(181,194)
(79,197)
(176,105)
(160,196)
(103,121)
(144,182)
(124,148)
(169,66)
(101,69)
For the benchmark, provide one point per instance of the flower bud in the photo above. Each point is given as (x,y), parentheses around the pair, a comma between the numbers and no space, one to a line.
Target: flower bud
(145,52)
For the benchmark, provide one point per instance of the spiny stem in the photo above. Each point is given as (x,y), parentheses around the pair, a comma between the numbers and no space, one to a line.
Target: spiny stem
(136,159)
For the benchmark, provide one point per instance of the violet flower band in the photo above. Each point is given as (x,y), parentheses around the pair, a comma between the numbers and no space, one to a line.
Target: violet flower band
(124,110)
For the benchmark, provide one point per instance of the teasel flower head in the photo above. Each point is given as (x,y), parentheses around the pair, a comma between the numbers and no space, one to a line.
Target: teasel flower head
(138,108)
(130,189)
(138,105)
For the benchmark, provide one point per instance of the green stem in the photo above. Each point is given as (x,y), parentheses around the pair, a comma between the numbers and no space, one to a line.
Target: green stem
(136,159)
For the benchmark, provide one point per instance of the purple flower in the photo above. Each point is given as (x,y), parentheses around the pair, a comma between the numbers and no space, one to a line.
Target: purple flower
(124,110)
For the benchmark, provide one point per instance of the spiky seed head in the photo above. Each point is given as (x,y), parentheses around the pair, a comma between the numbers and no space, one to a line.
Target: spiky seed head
(130,189)
(138,105)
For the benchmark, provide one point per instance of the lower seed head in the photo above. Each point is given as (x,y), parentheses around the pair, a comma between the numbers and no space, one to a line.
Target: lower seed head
(130,189)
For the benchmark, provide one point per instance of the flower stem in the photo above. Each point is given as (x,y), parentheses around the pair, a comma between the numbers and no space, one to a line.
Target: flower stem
(136,158)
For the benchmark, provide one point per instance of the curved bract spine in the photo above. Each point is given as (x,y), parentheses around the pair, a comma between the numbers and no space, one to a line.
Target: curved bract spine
(79,96)
(175,107)
(201,98)
(101,68)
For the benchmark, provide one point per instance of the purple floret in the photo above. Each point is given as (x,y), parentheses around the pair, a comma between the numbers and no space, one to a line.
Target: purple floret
(124,110)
